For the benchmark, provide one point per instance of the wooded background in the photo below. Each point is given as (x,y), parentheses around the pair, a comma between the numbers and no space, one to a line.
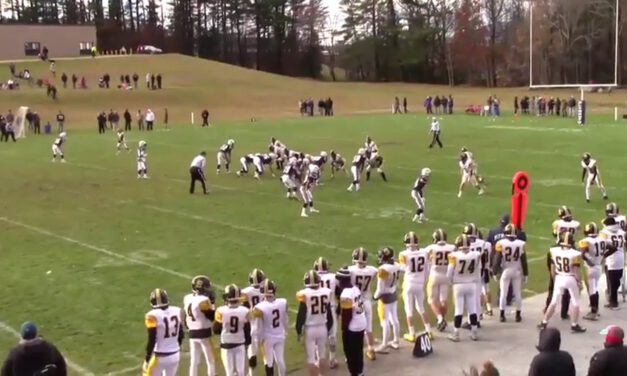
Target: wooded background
(477,42)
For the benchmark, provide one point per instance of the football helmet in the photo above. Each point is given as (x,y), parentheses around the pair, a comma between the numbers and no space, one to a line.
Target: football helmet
(323,154)
(142,144)
(462,242)
(231,142)
(611,209)
(159,298)
(361,151)
(268,288)
(201,284)
(360,255)
(232,294)
(343,273)
(566,239)
(256,277)
(312,279)
(62,134)
(464,149)
(591,229)
(439,235)
(410,238)
(425,171)
(586,157)
(564,212)
(272,140)
(321,265)
(385,255)
(510,231)
(470,229)
(368,140)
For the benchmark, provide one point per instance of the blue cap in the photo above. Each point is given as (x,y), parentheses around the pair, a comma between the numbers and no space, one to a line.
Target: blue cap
(29,330)
(505,219)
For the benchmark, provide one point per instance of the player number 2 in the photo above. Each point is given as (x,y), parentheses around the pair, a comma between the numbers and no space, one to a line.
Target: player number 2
(276,316)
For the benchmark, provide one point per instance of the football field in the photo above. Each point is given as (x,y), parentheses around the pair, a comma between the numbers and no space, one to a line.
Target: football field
(84,243)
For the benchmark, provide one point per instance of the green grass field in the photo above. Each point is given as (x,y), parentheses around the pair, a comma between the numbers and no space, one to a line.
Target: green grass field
(84,243)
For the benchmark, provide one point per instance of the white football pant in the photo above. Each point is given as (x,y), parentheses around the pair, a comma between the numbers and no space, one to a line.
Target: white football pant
(388,316)
(315,343)
(563,283)
(418,199)
(201,347)
(592,180)
(162,365)
(274,352)
(594,276)
(465,298)
(513,277)
(413,296)
(234,360)
(56,150)
(437,288)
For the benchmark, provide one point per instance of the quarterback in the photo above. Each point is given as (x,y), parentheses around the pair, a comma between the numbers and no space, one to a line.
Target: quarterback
(224,156)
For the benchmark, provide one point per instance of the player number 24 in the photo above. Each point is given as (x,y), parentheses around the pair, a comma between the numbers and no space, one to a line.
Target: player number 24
(512,254)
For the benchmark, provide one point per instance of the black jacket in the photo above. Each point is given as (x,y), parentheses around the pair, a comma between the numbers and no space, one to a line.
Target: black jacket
(30,357)
(611,361)
(551,361)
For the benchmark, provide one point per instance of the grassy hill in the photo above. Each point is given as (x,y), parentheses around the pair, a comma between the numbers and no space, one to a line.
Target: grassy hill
(229,92)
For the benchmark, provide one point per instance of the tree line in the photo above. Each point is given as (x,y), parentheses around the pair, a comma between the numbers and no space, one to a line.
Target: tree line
(476,42)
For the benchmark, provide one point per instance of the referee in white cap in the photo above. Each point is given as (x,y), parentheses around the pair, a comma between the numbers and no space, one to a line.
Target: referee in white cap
(197,172)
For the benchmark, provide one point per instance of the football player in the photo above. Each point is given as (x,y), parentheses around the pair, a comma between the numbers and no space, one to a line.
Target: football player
(462,270)
(57,147)
(510,260)
(251,296)
(387,283)
(142,154)
(357,167)
(327,279)
(261,161)
(354,321)
(224,156)
(121,142)
(272,315)
(362,275)
(245,161)
(198,315)
(565,222)
(477,244)
(614,258)
(437,287)
(312,176)
(591,175)
(337,163)
(165,336)
(418,195)
(371,146)
(291,178)
(415,264)
(320,160)
(565,266)
(611,210)
(468,169)
(374,161)
(314,320)
(232,323)
(592,249)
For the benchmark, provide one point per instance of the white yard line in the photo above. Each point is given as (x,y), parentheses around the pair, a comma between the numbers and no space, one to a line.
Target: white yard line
(72,365)
(125,371)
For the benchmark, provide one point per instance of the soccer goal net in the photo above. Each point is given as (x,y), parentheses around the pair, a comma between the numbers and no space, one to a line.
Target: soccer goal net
(19,123)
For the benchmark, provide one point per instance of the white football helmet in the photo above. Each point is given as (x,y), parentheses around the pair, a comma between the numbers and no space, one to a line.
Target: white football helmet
(425,171)
(361,151)
(62,134)
(323,154)
(142,144)
(231,142)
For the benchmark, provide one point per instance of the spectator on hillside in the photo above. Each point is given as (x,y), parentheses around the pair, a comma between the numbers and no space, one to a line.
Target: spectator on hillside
(140,120)
(53,69)
(152,82)
(3,127)
(159,78)
(102,122)
(107,79)
(515,105)
(558,106)
(10,132)
(148,78)
(205,118)
(74,80)
(396,109)
(127,120)
(444,101)
(29,119)
(110,118)
(53,91)
(121,79)
(428,105)
(166,118)
(135,79)
(61,121)
(33,356)
(450,104)
(64,80)
(551,361)
(150,119)
(127,80)
(321,106)
(12,69)
(330,106)
(405,105)
(83,83)
(36,123)
(612,360)
(116,119)
(436,104)
(571,106)
(551,106)
(564,108)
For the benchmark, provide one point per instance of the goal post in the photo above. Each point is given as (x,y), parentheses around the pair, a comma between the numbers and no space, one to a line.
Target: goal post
(19,123)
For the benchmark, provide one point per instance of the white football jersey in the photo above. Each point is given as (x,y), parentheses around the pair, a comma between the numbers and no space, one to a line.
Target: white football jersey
(561,225)
(387,279)
(362,278)
(591,167)
(615,237)
(463,267)
(565,261)
(415,265)
(233,320)
(328,280)
(512,251)
(141,155)
(252,295)
(438,255)
(594,249)
(484,248)
(59,141)
(195,306)
(273,318)
(168,323)
(317,302)
(620,219)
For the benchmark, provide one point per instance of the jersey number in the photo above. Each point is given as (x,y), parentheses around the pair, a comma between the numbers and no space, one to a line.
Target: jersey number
(276,316)
(363,281)
(617,241)
(234,324)
(512,255)
(319,305)
(562,264)
(254,300)
(417,265)
(599,247)
(394,279)
(441,258)
(326,283)
(190,314)
(470,269)
(175,326)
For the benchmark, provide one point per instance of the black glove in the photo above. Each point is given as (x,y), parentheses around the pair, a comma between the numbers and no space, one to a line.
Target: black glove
(252,361)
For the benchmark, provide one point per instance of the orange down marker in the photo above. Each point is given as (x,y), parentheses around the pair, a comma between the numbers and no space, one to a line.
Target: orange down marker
(520,185)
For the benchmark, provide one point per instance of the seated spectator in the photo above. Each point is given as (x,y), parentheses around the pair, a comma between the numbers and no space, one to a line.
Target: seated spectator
(551,361)
(612,360)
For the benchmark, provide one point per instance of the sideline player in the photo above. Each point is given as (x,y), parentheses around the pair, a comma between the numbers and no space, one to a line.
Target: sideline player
(251,296)
(437,287)
(591,175)
(510,260)
(592,249)
(565,222)
(224,156)
(477,244)
(418,195)
(232,323)
(615,258)
(565,266)
(121,137)
(415,262)
(165,336)
(198,315)
(57,147)
(611,210)
(362,275)
(314,320)
(356,168)
(321,266)
(468,169)
(463,267)
(272,326)
(142,154)
(387,283)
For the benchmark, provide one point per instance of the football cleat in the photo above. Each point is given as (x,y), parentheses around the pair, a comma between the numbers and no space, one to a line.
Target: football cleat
(201,285)
(268,288)
(385,255)
(410,238)
(462,242)
(566,239)
(439,236)
(321,265)
(360,255)
(591,229)
(564,212)
(470,229)
(232,294)
(611,209)
(159,298)
(256,277)
(312,279)
(510,231)
(370,354)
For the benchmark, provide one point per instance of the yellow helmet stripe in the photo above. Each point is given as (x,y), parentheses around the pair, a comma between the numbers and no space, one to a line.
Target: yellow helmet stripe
(158,297)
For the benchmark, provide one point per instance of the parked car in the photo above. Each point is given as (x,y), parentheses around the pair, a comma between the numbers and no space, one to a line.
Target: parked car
(147,49)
